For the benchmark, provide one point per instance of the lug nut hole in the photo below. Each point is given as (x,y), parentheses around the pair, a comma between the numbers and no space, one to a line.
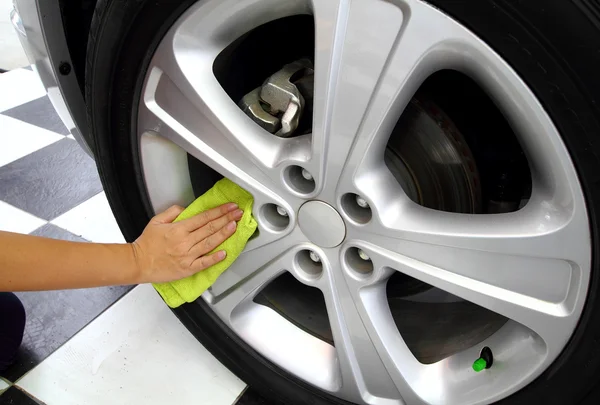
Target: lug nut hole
(274,217)
(300,180)
(359,261)
(357,208)
(309,263)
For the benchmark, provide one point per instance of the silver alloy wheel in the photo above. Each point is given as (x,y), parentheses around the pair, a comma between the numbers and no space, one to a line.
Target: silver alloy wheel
(531,266)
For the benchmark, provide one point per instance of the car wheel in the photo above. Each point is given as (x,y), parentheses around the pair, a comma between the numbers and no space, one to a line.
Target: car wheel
(426,183)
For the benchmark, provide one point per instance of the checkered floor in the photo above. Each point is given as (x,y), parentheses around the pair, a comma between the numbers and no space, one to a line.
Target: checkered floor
(85,346)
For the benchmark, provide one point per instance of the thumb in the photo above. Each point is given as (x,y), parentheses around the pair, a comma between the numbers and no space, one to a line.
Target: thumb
(169,215)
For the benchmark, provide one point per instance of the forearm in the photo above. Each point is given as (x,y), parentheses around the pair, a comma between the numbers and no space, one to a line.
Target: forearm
(30,263)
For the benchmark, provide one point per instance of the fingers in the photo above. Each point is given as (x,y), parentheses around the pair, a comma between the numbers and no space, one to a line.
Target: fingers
(199,251)
(203,218)
(211,242)
(169,215)
(214,226)
(205,262)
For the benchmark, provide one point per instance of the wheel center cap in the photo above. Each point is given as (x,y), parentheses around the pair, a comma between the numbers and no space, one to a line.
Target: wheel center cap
(321,224)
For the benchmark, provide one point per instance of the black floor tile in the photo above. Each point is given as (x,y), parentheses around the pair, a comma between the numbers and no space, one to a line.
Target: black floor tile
(252,397)
(50,181)
(53,317)
(25,361)
(14,396)
(56,232)
(40,113)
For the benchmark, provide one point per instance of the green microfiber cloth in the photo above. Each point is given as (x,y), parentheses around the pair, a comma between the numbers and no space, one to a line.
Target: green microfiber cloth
(224,191)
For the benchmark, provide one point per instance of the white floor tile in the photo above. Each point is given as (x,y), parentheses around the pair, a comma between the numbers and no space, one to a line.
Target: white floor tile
(137,352)
(93,220)
(18,138)
(21,86)
(13,219)
(3,385)
(70,136)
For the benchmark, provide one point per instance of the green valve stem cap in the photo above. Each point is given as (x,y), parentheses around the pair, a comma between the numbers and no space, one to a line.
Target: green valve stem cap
(479,364)
(485,360)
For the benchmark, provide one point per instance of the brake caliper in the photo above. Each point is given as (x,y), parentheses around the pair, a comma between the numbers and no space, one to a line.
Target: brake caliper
(278,104)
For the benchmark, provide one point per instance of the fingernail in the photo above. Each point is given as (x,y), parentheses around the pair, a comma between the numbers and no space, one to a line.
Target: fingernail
(231,206)
(221,254)
(238,214)
(231,226)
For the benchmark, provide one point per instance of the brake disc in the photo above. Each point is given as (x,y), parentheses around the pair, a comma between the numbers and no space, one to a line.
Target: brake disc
(431,160)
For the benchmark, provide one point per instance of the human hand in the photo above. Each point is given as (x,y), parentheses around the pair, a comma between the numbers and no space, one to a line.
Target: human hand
(168,251)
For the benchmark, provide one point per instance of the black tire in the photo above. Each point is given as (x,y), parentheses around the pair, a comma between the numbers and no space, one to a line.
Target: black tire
(553,45)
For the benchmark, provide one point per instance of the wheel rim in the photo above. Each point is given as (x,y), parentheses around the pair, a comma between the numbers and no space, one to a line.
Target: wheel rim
(531,266)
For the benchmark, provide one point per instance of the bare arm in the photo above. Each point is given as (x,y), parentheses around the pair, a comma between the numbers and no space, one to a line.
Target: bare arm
(164,252)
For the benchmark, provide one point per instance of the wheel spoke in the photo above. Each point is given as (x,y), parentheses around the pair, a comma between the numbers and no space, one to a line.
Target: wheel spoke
(367,370)
(371,58)
(167,111)
(528,266)
(167,183)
